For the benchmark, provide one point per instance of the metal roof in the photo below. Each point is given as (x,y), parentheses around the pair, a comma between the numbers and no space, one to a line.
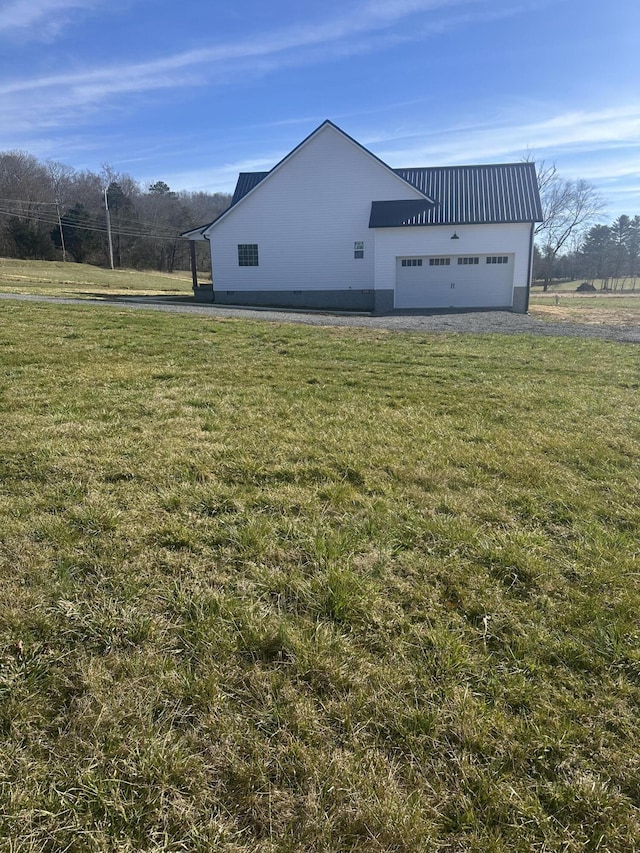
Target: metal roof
(246,182)
(468,195)
(464,195)
(390,214)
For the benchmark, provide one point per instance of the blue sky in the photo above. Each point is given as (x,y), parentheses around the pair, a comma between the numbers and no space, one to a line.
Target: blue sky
(193,92)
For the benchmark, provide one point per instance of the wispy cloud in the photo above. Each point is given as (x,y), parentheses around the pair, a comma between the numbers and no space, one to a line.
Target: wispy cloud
(565,132)
(572,138)
(39,19)
(264,52)
(220,178)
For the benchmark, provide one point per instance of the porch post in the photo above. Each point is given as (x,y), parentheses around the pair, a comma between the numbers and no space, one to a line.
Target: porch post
(194,266)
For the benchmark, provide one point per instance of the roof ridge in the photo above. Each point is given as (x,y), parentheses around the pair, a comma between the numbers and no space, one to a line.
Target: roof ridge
(523,163)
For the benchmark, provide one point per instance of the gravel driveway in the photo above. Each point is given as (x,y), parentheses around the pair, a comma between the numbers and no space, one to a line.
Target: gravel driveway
(474,322)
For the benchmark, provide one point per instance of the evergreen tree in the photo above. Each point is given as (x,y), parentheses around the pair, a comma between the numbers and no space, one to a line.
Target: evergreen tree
(80,237)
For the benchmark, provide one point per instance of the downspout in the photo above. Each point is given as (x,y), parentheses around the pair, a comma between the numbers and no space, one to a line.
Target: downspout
(530,276)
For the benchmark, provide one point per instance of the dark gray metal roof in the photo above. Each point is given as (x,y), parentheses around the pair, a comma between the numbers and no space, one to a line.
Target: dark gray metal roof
(467,195)
(246,182)
(390,214)
(464,195)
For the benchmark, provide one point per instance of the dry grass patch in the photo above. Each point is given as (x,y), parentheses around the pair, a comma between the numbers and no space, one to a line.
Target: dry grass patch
(597,309)
(277,588)
(54,278)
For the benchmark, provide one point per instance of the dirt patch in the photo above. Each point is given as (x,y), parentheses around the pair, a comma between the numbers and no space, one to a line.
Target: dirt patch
(591,316)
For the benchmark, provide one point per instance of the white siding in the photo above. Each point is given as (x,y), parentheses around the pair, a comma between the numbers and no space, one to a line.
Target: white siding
(305,219)
(391,243)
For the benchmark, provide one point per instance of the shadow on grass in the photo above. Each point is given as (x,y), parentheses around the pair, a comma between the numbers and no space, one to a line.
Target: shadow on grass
(177,299)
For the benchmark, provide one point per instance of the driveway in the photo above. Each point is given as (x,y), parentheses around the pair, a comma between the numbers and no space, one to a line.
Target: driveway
(469,322)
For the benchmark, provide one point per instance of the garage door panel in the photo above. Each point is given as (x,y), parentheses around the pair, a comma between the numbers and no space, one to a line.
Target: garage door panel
(463,282)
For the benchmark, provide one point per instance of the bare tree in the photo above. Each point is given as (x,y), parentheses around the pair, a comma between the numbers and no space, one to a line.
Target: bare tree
(26,205)
(568,208)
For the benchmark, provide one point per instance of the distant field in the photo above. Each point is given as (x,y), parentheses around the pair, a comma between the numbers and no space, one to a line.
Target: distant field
(624,286)
(54,278)
(277,588)
(621,307)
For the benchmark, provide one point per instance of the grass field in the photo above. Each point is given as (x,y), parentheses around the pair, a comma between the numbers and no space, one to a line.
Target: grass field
(276,588)
(54,278)
(562,303)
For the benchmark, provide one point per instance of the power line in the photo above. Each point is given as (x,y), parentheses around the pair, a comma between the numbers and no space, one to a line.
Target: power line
(122,219)
(72,222)
(26,201)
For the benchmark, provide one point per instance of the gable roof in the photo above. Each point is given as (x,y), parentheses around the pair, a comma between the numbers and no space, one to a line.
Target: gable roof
(248,181)
(451,195)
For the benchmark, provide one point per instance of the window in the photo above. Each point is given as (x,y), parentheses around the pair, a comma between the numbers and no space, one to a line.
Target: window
(439,262)
(465,261)
(411,262)
(247,254)
(358,249)
(497,259)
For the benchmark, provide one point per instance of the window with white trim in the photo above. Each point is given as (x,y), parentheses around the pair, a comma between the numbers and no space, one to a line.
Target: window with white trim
(411,262)
(439,262)
(465,261)
(247,254)
(358,249)
(497,259)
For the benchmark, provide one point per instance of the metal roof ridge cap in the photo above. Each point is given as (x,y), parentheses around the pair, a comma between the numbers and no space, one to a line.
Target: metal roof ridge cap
(519,163)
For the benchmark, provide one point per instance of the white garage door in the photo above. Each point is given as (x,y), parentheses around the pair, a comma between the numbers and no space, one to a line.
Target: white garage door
(454,281)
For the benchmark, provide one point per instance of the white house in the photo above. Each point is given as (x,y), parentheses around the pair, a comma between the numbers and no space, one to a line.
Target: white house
(331,226)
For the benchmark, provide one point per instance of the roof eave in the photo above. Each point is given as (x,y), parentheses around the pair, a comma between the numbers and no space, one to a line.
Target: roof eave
(194,233)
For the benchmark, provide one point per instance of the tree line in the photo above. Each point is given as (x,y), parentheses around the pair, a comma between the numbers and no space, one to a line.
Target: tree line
(50,211)
(608,254)
(571,244)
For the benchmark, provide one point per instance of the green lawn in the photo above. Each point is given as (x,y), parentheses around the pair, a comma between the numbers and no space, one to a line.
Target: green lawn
(277,588)
(54,278)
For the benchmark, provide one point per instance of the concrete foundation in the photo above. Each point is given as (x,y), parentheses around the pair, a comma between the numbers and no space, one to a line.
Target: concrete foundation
(519,300)
(203,293)
(369,301)
(329,300)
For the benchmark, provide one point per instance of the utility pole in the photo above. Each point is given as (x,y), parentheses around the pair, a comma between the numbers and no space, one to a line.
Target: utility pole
(108,217)
(64,251)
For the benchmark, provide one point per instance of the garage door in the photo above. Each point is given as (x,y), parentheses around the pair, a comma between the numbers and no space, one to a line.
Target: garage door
(454,281)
